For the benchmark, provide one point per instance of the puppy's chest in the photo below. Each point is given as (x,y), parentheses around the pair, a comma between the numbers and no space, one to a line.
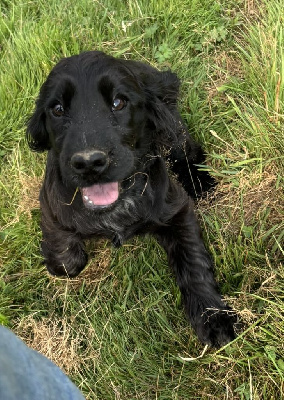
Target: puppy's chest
(117,225)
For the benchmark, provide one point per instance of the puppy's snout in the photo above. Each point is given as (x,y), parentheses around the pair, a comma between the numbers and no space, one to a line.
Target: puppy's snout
(89,161)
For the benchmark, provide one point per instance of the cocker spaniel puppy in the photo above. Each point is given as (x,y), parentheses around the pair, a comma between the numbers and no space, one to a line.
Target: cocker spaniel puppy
(112,129)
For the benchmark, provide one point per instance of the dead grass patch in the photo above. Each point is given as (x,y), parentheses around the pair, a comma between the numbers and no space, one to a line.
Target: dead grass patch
(256,196)
(69,347)
(55,339)
(29,193)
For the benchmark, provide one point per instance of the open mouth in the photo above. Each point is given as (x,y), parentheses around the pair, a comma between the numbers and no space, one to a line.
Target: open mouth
(100,195)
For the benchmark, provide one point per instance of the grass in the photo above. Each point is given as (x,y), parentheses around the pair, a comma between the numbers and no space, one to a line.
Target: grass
(119,330)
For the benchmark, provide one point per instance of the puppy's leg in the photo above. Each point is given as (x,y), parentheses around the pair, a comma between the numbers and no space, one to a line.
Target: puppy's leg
(210,317)
(63,250)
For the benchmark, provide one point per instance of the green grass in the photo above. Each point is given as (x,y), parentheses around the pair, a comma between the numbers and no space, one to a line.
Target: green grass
(119,330)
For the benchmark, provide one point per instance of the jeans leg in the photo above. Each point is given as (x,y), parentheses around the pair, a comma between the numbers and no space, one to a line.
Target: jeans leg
(27,375)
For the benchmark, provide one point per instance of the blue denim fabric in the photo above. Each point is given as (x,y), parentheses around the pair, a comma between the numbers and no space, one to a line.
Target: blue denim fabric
(27,375)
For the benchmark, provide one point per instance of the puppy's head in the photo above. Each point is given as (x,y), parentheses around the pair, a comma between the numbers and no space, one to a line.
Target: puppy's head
(100,116)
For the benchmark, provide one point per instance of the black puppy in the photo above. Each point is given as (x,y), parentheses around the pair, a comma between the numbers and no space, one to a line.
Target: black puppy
(111,127)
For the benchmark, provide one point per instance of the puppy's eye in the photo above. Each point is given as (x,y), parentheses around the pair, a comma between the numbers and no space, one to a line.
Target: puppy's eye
(57,110)
(118,104)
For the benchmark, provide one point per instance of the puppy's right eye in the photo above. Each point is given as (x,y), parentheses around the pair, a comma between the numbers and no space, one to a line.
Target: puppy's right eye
(118,104)
(57,110)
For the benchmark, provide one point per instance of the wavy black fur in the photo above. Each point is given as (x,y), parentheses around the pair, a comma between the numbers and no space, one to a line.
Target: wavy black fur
(75,115)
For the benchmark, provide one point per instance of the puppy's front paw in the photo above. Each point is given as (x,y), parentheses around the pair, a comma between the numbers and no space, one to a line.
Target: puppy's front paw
(69,262)
(216,326)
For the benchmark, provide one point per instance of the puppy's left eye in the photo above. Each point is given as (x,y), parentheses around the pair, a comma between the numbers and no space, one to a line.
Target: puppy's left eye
(118,104)
(57,110)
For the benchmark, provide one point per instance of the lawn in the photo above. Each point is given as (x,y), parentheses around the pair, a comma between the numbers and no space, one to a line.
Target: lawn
(118,329)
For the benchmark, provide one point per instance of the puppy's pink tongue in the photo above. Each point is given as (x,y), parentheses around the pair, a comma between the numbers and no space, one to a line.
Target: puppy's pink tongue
(100,194)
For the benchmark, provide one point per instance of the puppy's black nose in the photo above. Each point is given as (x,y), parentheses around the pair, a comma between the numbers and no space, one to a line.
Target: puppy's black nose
(89,161)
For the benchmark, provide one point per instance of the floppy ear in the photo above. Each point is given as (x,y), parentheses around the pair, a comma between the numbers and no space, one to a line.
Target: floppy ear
(162,90)
(37,135)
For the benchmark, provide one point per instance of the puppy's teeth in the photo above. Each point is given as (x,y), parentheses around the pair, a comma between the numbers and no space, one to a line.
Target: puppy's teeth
(86,197)
(90,202)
